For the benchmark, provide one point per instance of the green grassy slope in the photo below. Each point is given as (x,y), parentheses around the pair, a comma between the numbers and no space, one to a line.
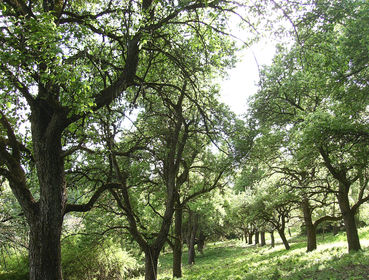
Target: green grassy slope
(235,261)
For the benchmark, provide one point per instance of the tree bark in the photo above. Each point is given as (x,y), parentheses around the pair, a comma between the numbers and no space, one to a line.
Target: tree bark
(34,252)
(311,238)
(272,240)
(245,235)
(46,223)
(343,201)
(349,221)
(310,228)
(151,264)
(193,220)
(256,237)
(44,253)
(177,250)
(201,242)
(284,239)
(262,238)
(250,238)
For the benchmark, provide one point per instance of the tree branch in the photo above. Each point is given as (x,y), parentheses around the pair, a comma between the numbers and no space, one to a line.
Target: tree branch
(326,218)
(88,206)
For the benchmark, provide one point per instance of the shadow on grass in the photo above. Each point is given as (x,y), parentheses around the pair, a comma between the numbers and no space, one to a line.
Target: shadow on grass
(215,257)
(349,266)
(233,261)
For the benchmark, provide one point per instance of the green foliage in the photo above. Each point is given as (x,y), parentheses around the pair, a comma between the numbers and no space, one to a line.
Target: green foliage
(83,258)
(314,95)
(14,266)
(311,109)
(91,259)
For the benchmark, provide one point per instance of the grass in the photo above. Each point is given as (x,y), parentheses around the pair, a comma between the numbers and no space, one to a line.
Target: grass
(234,260)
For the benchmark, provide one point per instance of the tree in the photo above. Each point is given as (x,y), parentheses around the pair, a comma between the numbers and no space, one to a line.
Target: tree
(151,176)
(310,93)
(236,219)
(205,218)
(61,61)
(273,203)
(313,194)
(206,175)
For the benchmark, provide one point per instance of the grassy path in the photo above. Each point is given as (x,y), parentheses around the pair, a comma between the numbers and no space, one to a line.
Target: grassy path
(235,261)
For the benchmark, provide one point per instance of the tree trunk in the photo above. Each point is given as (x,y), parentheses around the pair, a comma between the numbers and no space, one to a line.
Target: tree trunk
(262,238)
(335,229)
(310,228)
(250,238)
(151,264)
(272,241)
(335,226)
(343,202)
(256,237)
(349,222)
(245,235)
(34,252)
(284,239)
(44,253)
(311,238)
(177,250)
(193,220)
(201,242)
(46,222)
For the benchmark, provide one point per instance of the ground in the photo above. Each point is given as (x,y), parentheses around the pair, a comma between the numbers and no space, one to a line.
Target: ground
(233,260)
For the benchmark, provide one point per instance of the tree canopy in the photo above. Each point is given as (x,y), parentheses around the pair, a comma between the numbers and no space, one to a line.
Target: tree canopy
(113,107)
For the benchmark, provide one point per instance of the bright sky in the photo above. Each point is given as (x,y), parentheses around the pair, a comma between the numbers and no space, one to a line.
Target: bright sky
(243,79)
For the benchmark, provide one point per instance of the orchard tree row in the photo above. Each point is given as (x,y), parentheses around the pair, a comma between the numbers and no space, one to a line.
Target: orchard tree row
(111,107)
(309,160)
(111,100)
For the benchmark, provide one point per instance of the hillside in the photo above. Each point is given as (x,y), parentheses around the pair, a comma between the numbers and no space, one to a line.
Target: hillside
(236,261)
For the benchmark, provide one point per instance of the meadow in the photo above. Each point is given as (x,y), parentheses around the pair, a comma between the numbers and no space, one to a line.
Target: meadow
(234,260)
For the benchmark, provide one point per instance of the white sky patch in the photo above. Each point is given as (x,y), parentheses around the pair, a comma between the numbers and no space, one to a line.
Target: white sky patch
(243,79)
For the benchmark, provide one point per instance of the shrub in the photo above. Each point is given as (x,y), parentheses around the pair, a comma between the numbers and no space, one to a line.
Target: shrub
(83,259)
(14,267)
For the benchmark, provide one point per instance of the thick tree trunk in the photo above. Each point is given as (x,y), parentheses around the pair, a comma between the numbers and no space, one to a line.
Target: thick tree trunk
(349,222)
(35,252)
(284,239)
(311,238)
(310,228)
(262,238)
(151,264)
(250,238)
(256,237)
(46,222)
(343,201)
(44,253)
(351,232)
(272,240)
(177,250)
